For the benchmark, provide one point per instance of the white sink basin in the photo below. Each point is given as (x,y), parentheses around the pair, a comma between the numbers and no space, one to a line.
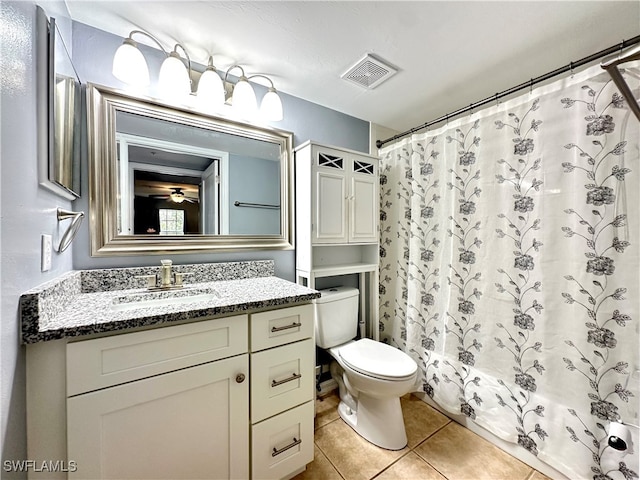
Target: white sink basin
(163,298)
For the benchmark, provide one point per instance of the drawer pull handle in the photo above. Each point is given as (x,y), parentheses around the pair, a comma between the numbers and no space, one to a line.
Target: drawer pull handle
(240,378)
(284,449)
(295,376)
(286,327)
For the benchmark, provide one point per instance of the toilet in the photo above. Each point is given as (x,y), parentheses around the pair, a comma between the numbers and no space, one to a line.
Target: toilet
(371,376)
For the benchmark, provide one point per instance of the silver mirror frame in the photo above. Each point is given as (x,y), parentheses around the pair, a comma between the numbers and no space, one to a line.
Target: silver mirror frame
(102,105)
(48,160)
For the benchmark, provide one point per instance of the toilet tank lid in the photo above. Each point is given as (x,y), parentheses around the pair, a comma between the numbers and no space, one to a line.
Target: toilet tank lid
(336,293)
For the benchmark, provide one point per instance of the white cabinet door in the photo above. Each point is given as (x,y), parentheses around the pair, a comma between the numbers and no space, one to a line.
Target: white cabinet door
(330,207)
(345,202)
(188,424)
(363,224)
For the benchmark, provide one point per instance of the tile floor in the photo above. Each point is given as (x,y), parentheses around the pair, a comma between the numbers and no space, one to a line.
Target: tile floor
(437,449)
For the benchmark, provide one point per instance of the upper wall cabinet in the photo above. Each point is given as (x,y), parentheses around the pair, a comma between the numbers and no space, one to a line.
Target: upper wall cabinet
(342,187)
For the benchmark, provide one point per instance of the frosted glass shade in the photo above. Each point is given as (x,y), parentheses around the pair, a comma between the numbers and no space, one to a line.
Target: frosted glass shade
(174,78)
(129,65)
(244,100)
(271,106)
(177,197)
(210,90)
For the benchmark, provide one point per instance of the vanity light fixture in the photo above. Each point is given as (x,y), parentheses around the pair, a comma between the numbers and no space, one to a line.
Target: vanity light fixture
(271,106)
(174,80)
(241,95)
(130,66)
(210,87)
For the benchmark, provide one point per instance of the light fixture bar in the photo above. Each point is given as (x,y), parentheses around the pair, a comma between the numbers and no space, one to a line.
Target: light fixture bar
(175,80)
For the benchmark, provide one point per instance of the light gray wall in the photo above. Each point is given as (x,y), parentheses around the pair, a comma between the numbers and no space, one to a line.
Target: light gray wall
(92,55)
(27,211)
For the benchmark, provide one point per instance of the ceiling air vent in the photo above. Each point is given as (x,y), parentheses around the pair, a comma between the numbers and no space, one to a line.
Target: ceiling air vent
(369,72)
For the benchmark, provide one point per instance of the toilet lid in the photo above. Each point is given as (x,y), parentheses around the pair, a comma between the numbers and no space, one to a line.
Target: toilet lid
(378,360)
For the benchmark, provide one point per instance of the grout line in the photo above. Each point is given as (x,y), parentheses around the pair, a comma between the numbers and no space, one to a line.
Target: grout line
(391,464)
(329,460)
(432,434)
(432,466)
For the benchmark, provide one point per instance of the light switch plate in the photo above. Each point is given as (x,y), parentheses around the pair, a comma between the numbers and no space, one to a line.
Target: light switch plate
(46,253)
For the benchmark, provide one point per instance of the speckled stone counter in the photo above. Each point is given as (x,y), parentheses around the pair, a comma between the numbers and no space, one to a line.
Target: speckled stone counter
(94,301)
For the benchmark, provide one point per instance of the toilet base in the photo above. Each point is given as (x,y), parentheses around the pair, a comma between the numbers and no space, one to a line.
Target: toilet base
(377,420)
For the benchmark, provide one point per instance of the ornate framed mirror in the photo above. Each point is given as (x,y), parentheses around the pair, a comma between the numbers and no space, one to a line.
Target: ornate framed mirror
(164,179)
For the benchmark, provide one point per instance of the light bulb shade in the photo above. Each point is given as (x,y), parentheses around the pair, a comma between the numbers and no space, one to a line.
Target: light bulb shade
(210,89)
(174,78)
(129,65)
(177,197)
(244,98)
(271,106)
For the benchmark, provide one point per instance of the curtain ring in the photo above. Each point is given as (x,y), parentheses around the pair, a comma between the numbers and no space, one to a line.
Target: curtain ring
(571,68)
(530,86)
(497,100)
(621,49)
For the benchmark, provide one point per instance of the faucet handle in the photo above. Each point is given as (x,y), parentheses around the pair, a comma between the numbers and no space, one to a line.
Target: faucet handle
(179,277)
(151,280)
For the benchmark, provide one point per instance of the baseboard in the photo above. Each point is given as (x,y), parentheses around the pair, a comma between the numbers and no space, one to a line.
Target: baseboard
(327,387)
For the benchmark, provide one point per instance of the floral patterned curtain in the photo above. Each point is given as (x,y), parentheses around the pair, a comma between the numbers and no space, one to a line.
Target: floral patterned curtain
(510,268)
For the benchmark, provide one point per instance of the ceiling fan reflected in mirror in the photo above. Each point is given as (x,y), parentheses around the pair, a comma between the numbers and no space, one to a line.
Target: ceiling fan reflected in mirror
(176,196)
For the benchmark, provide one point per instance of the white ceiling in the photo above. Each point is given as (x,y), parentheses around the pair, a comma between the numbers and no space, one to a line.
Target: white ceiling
(449,53)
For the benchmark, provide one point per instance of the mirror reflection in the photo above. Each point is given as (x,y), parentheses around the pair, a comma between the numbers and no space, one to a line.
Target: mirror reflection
(177,179)
(171,180)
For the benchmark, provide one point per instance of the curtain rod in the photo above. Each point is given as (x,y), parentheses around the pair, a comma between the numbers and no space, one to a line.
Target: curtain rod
(522,86)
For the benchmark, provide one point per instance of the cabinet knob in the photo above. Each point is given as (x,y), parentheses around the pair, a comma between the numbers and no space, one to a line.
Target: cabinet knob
(240,378)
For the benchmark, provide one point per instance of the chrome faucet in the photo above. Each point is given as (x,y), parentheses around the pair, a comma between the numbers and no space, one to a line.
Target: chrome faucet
(166,279)
(165,273)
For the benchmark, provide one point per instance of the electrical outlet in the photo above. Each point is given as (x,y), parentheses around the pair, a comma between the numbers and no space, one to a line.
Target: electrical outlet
(46,253)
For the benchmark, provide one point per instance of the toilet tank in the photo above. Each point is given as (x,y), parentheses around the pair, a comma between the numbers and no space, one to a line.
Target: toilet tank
(336,316)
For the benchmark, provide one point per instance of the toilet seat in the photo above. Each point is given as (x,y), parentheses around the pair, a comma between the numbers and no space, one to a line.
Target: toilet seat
(378,360)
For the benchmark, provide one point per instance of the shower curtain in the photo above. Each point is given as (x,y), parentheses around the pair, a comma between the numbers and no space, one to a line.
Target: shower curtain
(510,268)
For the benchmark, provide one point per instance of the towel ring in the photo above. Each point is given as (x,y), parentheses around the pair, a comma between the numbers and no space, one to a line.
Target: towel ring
(72,229)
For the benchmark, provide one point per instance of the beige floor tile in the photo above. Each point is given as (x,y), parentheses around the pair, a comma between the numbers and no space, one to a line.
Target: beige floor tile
(459,454)
(352,455)
(411,466)
(536,475)
(327,410)
(319,469)
(420,420)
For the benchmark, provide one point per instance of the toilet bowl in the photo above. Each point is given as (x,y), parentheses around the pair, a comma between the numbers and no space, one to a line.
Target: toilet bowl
(371,376)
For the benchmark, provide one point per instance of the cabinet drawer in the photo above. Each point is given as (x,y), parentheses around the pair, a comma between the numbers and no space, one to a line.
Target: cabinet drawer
(277,327)
(281,378)
(283,444)
(103,362)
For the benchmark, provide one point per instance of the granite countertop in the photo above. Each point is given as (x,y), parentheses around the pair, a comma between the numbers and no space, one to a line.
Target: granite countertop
(48,314)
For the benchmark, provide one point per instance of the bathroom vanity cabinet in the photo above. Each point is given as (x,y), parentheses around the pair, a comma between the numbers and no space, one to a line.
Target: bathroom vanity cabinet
(228,397)
(337,221)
